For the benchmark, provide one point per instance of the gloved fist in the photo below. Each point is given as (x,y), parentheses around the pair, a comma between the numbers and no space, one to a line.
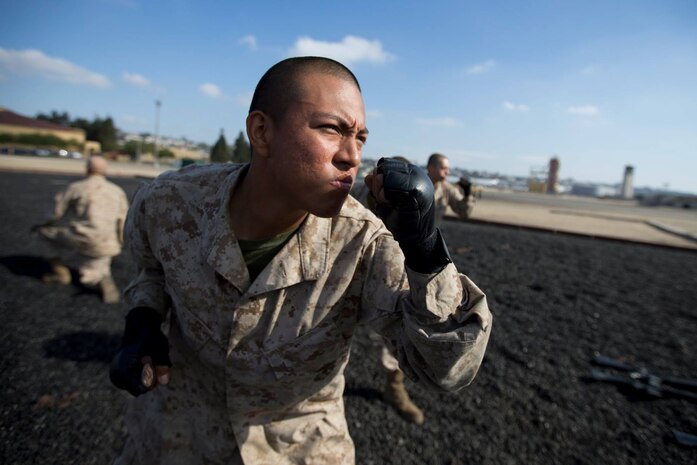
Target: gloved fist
(143,346)
(466,186)
(406,205)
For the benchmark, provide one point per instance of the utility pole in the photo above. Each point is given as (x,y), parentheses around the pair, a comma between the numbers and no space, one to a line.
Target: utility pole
(157,130)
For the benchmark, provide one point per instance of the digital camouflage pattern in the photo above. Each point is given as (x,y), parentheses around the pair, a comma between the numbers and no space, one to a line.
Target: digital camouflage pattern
(260,365)
(88,218)
(449,196)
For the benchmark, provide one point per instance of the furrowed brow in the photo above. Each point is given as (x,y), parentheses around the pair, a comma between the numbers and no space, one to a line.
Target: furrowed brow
(341,122)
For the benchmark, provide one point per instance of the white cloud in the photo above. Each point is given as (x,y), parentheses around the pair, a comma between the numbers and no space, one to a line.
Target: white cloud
(373,113)
(36,62)
(480,68)
(211,90)
(445,121)
(136,79)
(510,106)
(250,41)
(350,50)
(584,110)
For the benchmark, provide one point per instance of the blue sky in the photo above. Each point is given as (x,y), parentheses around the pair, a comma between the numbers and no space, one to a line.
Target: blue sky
(496,86)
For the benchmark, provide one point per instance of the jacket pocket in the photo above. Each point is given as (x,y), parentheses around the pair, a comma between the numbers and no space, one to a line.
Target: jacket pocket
(323,352)
(194,331)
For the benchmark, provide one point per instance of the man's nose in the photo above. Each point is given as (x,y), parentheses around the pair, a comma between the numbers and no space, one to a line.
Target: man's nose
(349,154)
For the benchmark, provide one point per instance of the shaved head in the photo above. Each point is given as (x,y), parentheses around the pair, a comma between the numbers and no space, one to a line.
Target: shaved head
(96,165)
(281,85)
(435,159)
(438,167)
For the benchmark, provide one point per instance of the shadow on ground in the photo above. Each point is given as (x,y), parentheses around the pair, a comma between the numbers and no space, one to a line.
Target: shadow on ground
(36,267)
(83,346)
(26,265)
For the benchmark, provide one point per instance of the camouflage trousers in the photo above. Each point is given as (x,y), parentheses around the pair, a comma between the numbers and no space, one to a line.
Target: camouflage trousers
(92,270)
(387,360)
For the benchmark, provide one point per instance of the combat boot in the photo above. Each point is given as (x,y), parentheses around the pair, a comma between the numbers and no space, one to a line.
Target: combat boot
(397,396)
(59,273)
(110,293)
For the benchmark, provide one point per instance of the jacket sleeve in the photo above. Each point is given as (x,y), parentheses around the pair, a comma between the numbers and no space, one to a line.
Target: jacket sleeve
(436,325)
(121,218)
(147,289)
(62,202)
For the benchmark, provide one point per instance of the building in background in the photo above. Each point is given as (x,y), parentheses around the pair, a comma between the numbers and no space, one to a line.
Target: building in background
(19,133)
(593,190)
(553,176)
(537,180)
(628,182)
(545,179)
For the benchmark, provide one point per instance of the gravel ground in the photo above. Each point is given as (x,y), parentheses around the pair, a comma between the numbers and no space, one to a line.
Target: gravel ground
(556,300)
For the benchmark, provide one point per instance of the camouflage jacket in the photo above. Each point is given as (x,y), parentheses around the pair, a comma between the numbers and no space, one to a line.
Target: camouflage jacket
(449,199)
(89,216)
(260,365)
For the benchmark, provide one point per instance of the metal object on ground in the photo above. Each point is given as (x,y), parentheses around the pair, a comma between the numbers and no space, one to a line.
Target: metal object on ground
(685,439)
(643,381)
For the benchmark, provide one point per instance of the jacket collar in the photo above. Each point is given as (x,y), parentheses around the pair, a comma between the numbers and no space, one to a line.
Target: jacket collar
(303,258)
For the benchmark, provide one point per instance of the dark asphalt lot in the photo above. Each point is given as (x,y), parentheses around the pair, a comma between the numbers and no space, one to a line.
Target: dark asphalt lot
(556,300)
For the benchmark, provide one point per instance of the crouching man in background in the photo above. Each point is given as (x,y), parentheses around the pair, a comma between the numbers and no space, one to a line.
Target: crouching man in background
(86,231)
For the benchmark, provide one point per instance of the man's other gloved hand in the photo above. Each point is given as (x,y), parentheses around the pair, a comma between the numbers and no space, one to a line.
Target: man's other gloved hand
(407,207)
(466,186)
(142,347)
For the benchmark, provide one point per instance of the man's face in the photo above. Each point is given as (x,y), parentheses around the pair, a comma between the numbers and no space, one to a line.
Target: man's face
(315,147)
(439,171)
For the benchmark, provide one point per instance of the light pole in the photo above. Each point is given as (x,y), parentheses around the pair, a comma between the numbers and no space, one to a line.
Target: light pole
(157,130)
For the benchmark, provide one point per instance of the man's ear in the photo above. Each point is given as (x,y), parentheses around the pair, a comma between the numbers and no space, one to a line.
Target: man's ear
(259,132)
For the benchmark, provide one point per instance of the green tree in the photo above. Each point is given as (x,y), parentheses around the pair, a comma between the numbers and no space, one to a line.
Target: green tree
(220,152)
(104,131)
(107,135)
(58,118)
(166,153)
(134,147)
(241,151)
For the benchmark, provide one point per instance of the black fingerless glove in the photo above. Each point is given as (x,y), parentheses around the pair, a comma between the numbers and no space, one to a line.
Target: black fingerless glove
(142,337)
(466,187)
(411,215)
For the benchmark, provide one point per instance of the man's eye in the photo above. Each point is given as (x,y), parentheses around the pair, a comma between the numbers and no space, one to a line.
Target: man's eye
(332,128)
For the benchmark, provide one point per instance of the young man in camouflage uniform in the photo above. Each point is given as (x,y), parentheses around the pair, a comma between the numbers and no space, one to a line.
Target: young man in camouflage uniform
(86,230)
(266,269)
(447,195)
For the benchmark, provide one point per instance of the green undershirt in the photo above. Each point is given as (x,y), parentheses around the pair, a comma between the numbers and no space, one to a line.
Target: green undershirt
(258,253)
